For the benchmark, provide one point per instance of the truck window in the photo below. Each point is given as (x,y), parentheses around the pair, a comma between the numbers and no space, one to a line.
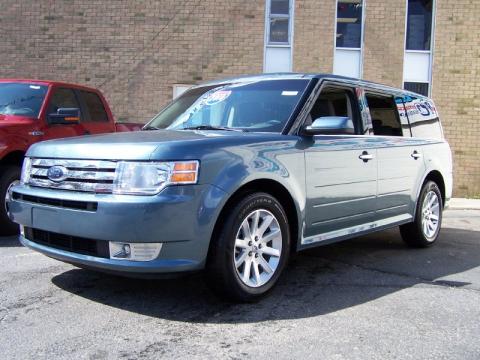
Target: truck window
(95,111)
(62,98)
(384,113)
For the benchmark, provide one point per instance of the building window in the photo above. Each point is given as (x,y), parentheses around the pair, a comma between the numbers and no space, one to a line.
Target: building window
(279,22)
(349,24)
(179,89)
(417,64)
(417,87)
(419,24)
(349,38)
(278,35)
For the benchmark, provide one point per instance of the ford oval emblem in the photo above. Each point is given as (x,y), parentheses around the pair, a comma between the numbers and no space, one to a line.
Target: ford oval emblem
(57,173)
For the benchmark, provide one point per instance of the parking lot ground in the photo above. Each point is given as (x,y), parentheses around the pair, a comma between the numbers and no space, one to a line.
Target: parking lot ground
(367,298)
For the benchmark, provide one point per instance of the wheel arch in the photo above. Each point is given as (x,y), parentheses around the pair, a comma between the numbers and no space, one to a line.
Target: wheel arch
(269,186)
(437,178)
(13,158)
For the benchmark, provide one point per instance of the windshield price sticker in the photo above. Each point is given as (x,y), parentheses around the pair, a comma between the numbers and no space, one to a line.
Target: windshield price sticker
(216,97)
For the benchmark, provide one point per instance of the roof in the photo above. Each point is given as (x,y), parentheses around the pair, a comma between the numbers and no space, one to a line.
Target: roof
(307,76)
(47,83)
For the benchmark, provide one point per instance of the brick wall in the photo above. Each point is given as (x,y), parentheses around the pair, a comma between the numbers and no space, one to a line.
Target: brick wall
(384,41)
(456,88)
(313,42)
(132,50)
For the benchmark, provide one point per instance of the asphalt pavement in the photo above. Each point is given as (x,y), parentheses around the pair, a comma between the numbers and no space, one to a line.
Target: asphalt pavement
(367,298)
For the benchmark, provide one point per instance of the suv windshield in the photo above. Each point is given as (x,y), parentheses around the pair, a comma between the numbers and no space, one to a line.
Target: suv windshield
(21,99)
(254,106)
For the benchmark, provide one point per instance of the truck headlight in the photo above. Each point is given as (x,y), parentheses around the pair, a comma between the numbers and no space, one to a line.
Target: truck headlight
(149,178)
(26,170)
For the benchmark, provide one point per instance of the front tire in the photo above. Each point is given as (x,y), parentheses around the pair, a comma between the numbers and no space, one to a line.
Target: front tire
(251,249)
(9,176)
(424,231)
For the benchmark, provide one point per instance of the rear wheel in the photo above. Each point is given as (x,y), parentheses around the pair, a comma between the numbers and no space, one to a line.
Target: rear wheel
(9,177)
(423,232)
(251,249)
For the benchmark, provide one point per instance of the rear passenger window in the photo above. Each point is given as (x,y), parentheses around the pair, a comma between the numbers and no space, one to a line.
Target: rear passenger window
(384,113)
(94,106)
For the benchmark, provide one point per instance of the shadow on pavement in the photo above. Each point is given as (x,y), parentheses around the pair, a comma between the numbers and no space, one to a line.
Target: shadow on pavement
(317,281)
(9,241)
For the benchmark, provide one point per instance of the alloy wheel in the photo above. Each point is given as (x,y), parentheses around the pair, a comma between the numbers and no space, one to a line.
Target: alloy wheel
(258,247)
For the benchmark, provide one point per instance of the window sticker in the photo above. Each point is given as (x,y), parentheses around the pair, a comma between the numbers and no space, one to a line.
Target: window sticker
(35,87)
(216,97)
(289,93)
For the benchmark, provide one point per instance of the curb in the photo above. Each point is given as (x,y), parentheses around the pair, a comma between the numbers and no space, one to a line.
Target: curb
(463,204)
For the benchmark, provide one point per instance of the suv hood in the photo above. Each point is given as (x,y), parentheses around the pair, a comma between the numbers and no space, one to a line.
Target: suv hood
(147,145)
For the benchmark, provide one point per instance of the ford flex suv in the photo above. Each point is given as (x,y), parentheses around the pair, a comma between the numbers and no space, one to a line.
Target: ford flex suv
(235,175)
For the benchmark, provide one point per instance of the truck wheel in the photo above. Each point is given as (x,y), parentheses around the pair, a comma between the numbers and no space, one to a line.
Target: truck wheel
(251,249)
(423,232)
(9,176)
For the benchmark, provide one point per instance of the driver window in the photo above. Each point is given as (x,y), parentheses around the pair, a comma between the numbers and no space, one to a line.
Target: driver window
(332,102)
(62,98)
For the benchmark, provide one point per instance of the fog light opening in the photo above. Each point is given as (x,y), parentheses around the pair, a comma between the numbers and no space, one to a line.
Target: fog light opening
(134,251)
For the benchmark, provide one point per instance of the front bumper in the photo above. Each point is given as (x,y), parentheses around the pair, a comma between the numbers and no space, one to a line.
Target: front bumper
(182,218)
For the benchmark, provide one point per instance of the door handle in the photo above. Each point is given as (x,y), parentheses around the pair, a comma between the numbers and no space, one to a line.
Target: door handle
(416,155)
(365,156)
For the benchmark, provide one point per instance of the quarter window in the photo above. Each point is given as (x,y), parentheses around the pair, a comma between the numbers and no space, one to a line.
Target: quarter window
(384,113)
(95,110)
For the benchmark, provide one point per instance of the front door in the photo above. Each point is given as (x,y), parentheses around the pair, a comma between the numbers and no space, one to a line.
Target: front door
(341,173)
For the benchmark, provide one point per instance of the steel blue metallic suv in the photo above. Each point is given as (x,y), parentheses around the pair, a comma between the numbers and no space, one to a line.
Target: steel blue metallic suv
(234,175)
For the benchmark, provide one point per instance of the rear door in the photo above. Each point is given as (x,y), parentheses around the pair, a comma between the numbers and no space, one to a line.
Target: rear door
(400,162)
(341,172)
(95,119)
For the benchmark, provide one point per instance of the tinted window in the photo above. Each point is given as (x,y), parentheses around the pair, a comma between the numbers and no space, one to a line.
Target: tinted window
(333,102)
(95,109)
(62,98)
(264,105)
(349,24)
(383,111)
(419,24)
(419,88)
(21,99)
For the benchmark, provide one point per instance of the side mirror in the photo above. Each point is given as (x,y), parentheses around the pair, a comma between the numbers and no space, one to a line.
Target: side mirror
(331,125)
(68,116)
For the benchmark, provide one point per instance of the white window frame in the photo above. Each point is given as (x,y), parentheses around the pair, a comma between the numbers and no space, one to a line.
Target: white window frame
(429,52)
(267,43)
(179,89)
(362,36)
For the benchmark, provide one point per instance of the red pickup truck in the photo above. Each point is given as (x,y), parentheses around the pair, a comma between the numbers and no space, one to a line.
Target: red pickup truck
(34,110)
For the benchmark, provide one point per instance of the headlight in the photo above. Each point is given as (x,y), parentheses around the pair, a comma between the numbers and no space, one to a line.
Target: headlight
(149,178)
(26,170)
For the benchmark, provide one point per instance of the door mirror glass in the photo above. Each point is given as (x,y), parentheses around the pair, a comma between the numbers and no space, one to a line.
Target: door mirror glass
(330,125)
(68,116)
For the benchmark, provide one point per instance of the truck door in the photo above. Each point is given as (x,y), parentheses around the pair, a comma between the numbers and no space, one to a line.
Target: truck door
(62,97)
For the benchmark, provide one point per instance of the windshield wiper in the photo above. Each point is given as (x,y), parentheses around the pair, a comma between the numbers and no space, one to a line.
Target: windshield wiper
(150,127)
(210,127)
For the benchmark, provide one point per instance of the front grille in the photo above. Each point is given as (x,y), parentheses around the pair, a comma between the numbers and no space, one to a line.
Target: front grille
(69,204)
(82,175)
(75,244)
